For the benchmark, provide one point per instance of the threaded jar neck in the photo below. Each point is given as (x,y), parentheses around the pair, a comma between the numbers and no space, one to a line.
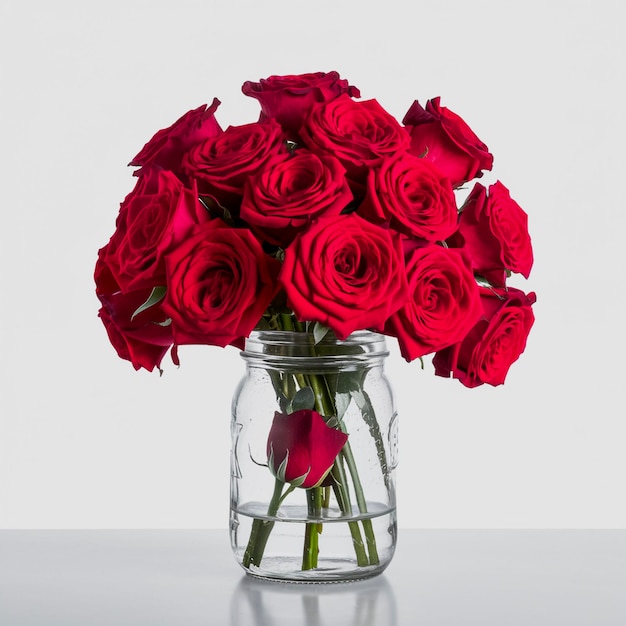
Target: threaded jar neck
(298,350)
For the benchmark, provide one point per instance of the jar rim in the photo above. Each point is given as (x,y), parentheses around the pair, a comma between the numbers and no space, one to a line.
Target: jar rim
(298,349)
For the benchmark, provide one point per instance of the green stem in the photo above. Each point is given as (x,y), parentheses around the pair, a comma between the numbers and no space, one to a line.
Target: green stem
(370,537)
(357,539)
(325,406)
(320,388)
(326,500)
(313,529)
(286,321)
(261,528)
(316,497)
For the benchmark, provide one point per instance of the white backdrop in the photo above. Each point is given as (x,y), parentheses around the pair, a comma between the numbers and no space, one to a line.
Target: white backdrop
(87,442)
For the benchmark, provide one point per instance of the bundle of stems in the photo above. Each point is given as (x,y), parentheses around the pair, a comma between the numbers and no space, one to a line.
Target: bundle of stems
(287,385)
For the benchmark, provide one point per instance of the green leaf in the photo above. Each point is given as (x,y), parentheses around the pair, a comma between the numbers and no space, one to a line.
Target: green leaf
(282,468)
(350,381)
(304,399)
(319,332)
(481,281)
(157,294)
(165,323)
(342,402)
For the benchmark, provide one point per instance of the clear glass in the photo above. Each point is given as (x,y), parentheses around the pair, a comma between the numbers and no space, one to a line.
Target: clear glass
(344,528)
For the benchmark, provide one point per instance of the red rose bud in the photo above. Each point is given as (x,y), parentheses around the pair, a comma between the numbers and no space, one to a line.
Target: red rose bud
(289,98)
(168,146)
(301,448)
(494,231)
(494,344)
(443,138)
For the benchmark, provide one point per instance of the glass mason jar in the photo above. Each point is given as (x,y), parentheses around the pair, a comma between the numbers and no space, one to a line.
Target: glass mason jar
(314,449)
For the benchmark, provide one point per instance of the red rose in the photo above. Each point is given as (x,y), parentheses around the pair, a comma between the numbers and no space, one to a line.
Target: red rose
(289,98)
(301,448)
(219,283)
(142,341)
(494,344)
(222,164)
(443,138)
(144,338)
(443,303)
(168,146)
(103,277)
(345,273)
(290,191)
(412,196)
(359,134)
(134,252)
(494,231)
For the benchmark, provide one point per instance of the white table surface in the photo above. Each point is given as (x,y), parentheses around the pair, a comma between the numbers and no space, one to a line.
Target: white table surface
(184,578)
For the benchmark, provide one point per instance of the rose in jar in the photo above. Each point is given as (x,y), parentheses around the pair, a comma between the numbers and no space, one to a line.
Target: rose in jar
(301,448)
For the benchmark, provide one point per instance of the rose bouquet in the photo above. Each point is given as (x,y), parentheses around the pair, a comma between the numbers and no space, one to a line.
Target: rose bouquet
(324,216)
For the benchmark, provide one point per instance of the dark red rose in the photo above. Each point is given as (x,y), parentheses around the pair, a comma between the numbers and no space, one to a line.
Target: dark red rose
(443,302)
(134,252)
(290,191)
(103,277)
(359,134)
(412,196)
(289,98)
(345,273)
(301,448)
(494,343)
(142,338)
(168,146)
(219,283)
(444,138)
(222,164)
(494,232)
